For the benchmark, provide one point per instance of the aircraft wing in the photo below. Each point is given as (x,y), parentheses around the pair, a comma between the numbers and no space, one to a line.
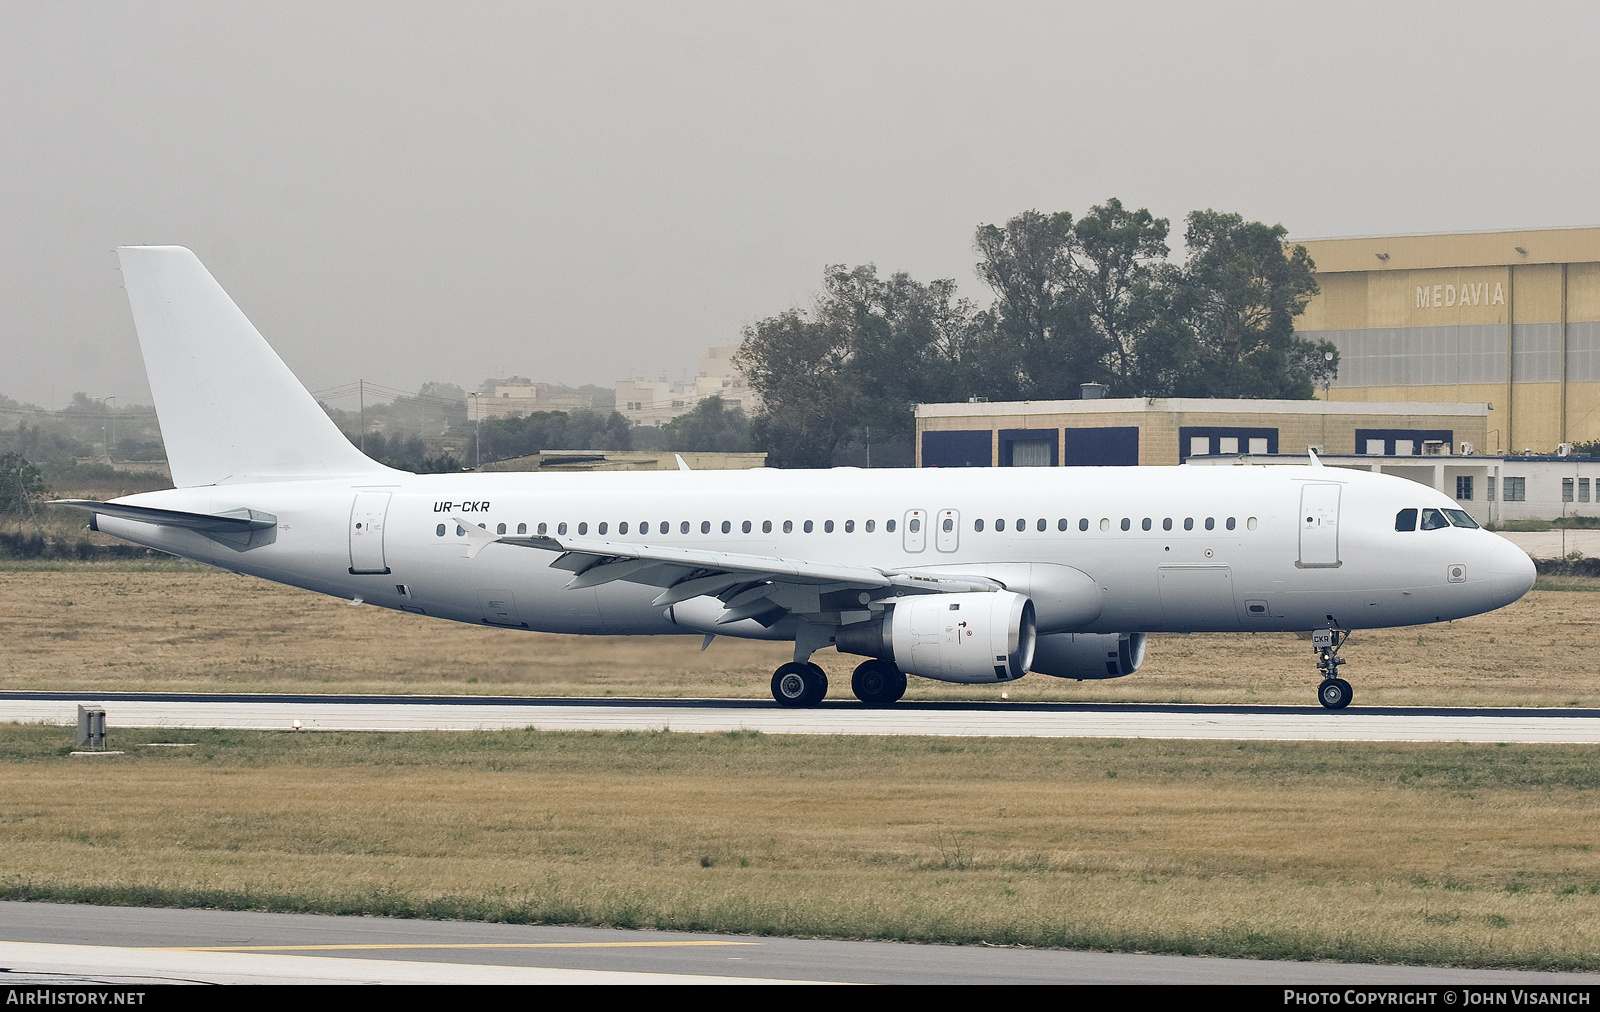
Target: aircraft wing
(750,586)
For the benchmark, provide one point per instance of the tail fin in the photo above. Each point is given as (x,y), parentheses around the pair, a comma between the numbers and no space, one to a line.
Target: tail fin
(230,410)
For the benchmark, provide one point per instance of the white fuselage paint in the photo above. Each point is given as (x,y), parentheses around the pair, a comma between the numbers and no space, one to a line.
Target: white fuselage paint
(1290,572)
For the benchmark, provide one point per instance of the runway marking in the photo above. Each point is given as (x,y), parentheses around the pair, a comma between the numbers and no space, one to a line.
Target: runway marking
(441,945)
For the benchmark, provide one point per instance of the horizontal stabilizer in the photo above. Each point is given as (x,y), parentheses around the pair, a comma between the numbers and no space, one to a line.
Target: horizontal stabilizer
(234,521)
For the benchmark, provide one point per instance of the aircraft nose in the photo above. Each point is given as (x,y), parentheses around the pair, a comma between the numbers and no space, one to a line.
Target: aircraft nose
(1511,573)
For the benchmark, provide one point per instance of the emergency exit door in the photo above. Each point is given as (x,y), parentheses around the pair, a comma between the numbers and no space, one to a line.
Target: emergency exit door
(366,532)
(1319,526)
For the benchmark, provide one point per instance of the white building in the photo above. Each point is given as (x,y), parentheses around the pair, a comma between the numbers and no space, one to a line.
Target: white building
(1493,490)
(656,402)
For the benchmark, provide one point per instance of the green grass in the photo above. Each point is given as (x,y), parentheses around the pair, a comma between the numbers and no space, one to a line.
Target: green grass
(1461,854)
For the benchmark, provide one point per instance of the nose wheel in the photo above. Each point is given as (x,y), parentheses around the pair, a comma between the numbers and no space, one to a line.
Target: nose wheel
(1334,692)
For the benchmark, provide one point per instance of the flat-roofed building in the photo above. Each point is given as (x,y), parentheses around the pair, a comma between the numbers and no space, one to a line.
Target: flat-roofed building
(1511,319)
(1138,430)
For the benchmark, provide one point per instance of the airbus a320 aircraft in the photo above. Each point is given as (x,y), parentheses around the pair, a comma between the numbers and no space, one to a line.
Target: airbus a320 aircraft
(975,576)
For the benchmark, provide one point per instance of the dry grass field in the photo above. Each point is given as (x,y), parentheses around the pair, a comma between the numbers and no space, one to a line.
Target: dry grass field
(109,626)
(1455,854)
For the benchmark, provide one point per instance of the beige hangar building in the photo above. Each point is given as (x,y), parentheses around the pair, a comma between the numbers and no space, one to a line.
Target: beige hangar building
(1509,319)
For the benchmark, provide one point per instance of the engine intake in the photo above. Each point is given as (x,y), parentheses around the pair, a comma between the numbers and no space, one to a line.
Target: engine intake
(983,637)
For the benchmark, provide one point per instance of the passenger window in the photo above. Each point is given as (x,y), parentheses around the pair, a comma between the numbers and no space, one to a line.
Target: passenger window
(888,525)
(440,530)
(583,528)
(683,528)
(1105,523)
(849,526)
(870,525)
(1230,523)
(1061,524)
(1405,520)
(766,527)
(745,527)
(601,529)
(1083,524)
(1166,524)
(522,528)
(500,528)
(788,527)
(1211,523)
(1188,523)
(1041,524)
(949,525)
(1433,520)
(544,528)
(1145,523)
(1022,525)
(1461,518)
(461,532)
(1250,524)
(827,526)
(916,525)
(999,525)
(561,528)
(727,525)
(622,528)
(808,527)
(977,525)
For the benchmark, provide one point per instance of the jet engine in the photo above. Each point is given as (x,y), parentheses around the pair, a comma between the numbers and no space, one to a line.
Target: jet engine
(1089,655)
(981,637)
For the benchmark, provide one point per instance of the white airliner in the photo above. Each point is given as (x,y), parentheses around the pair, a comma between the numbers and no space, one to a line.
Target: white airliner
(963,575)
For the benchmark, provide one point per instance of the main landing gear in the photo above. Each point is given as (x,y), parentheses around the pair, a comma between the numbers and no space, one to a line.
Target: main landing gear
(878,683)
(1334,692)
(797,684)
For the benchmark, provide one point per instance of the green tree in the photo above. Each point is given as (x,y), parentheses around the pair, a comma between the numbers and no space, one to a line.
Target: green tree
(712,426)
(1238,294)
(1038,343)
(1120,275)
(22,486)
(851,367)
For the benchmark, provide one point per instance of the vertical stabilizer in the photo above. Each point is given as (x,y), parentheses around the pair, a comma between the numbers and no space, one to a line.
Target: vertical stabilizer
(230,410)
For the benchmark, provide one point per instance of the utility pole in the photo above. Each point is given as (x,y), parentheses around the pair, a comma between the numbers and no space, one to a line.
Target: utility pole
(362,384)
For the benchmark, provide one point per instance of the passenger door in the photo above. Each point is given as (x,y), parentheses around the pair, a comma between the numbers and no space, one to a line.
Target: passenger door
(1319,526)
(367,515)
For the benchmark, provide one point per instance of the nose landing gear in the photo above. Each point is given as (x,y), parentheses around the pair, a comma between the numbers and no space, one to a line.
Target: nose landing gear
(1334,692)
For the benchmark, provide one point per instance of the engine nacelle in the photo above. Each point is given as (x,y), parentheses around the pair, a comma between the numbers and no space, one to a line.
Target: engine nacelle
(1089,655)
(982,637)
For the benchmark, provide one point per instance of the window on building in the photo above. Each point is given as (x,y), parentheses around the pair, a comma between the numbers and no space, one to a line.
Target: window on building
(1258,444)
(1516,490)
(1228,444)
(1488,489)
(1374,447)
(1568,487)
(1405,447)
(1464,487)
(1032,453)
(1199,446)
(1583,489)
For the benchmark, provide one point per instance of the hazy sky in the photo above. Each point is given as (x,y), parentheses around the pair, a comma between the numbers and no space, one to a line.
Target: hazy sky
(585,192)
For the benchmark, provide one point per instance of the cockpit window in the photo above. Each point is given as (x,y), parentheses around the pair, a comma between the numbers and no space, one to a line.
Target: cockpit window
(1433,520)
(1405,520)
(1460,518)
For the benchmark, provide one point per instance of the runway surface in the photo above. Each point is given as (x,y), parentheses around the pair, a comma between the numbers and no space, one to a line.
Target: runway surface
(1047,720)
(59,943)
